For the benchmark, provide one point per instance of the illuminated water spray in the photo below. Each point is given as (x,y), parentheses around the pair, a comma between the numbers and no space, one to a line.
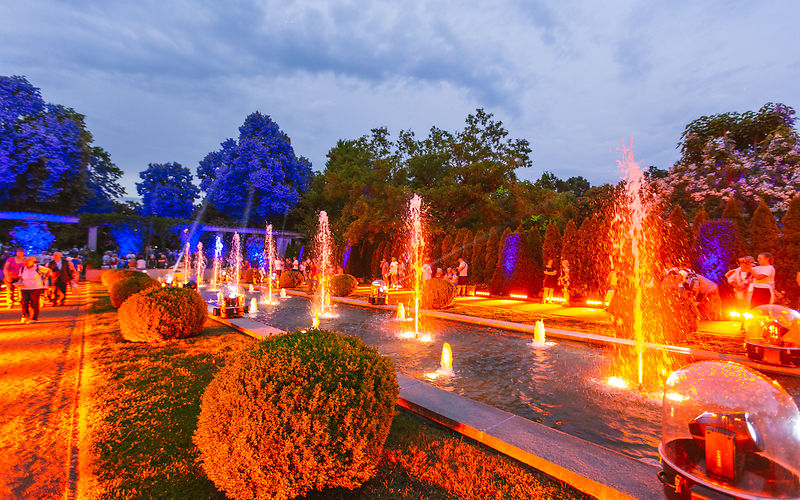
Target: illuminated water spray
(236,255)
(416,234)
(201,263)
(323,248)
(269,261)
(217,258)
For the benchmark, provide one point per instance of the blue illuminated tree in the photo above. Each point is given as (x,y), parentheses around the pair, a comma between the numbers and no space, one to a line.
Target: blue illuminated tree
(33,237)
(46,158)
(717,248)
(257,177)
(167,191)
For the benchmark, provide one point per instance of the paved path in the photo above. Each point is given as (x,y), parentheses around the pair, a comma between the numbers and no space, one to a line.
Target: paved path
(40,367)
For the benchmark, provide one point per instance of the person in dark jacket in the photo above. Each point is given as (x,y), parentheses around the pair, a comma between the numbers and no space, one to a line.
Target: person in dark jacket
(63,273)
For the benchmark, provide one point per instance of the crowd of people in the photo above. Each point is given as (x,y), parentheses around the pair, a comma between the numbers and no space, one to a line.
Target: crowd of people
(35,279)
(397,273)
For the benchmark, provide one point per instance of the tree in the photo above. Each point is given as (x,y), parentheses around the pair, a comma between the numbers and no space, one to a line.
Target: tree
(505,262)
(717,248)
(552,244)
(167,191)
(677,248)
(466,251)
(490,256)
(748,156)
(572,251)
(477,261)
(458,244)
(764,230)
(447,251)
(788,259)
(102,183)
(733,213)
(257,177)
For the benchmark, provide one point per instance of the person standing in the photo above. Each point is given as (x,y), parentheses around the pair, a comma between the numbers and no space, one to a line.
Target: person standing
(427,272)
(563,280)
(463,268)
(763,286)
(394,269)
(740,279)
(11,270)
(31,284)
(63,274)
(549,281)
(385,270)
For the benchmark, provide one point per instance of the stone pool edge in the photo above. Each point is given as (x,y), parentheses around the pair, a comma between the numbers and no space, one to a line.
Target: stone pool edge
(587,467)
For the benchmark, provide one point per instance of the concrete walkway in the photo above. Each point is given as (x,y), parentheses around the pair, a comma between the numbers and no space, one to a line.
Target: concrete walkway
(40,371)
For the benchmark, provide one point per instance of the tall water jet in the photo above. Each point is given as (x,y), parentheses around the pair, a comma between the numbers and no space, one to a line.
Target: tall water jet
(187,263)
(236,256)
(639,310)
(253,306)
(401,312)
(323,250)
(217,258)
(269,260)
(415,228)
(201,264)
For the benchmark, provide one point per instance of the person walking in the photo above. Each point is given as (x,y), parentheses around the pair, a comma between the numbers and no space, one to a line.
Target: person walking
(11,270)
(31,284)
(62,275)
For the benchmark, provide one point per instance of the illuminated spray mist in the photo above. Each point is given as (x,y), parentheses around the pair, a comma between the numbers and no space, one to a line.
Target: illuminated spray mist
(187,263)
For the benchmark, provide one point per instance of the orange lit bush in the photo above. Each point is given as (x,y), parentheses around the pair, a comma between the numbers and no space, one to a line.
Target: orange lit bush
(290,279)
(111,276)
(301,411)
(343,285)
(437,294)
(124,288)
(159,314)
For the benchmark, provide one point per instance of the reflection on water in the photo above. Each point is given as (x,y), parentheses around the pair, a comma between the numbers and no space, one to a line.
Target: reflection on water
(562,386)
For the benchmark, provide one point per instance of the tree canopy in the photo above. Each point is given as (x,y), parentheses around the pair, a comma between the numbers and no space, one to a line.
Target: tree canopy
(167,191)
(47,161)
(257,176)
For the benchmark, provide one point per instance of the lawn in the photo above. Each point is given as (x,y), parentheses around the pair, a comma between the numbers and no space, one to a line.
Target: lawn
(145,402)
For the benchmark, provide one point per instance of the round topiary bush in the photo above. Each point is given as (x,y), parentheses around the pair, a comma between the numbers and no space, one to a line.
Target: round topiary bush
(124,288)
(159,314)
(437,293)
(301,411)
(343,285)
(111,276)
(290,279)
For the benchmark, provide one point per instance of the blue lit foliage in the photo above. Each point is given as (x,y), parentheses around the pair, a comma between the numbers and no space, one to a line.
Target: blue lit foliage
(257,177)
(167,191)
(33,237)
(254,249)
(716,248)
(516,272)
(185,235)
(40,149)
(510,254)
(129,237)
(346,256)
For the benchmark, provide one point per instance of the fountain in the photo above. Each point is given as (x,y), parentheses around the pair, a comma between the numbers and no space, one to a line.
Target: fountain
(236,254)
(401,312)
(253,306)
(283,293)
(315,321)
(201,264)
(445,365)
(323,249)
(269,260)
(414,216)
(640,311)
(217,257)
(250,288)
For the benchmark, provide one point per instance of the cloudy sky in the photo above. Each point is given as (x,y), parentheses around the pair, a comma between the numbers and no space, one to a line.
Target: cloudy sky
(167,81)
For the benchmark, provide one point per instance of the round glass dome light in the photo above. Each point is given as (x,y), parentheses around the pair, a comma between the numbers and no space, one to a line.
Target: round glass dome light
(772,335)
(731,429)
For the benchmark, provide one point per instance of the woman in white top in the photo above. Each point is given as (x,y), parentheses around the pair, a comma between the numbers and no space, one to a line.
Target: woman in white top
(31,285)
(763,281)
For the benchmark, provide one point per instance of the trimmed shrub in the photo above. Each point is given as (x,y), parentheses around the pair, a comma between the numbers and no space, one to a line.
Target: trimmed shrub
(124,288)
(343,285)
(764,232)
(159,314)
(437,294)
(552,244)
(290,279)
(111,276)
(301,411)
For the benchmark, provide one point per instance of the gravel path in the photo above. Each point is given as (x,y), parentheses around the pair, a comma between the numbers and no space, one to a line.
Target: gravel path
(40,373)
